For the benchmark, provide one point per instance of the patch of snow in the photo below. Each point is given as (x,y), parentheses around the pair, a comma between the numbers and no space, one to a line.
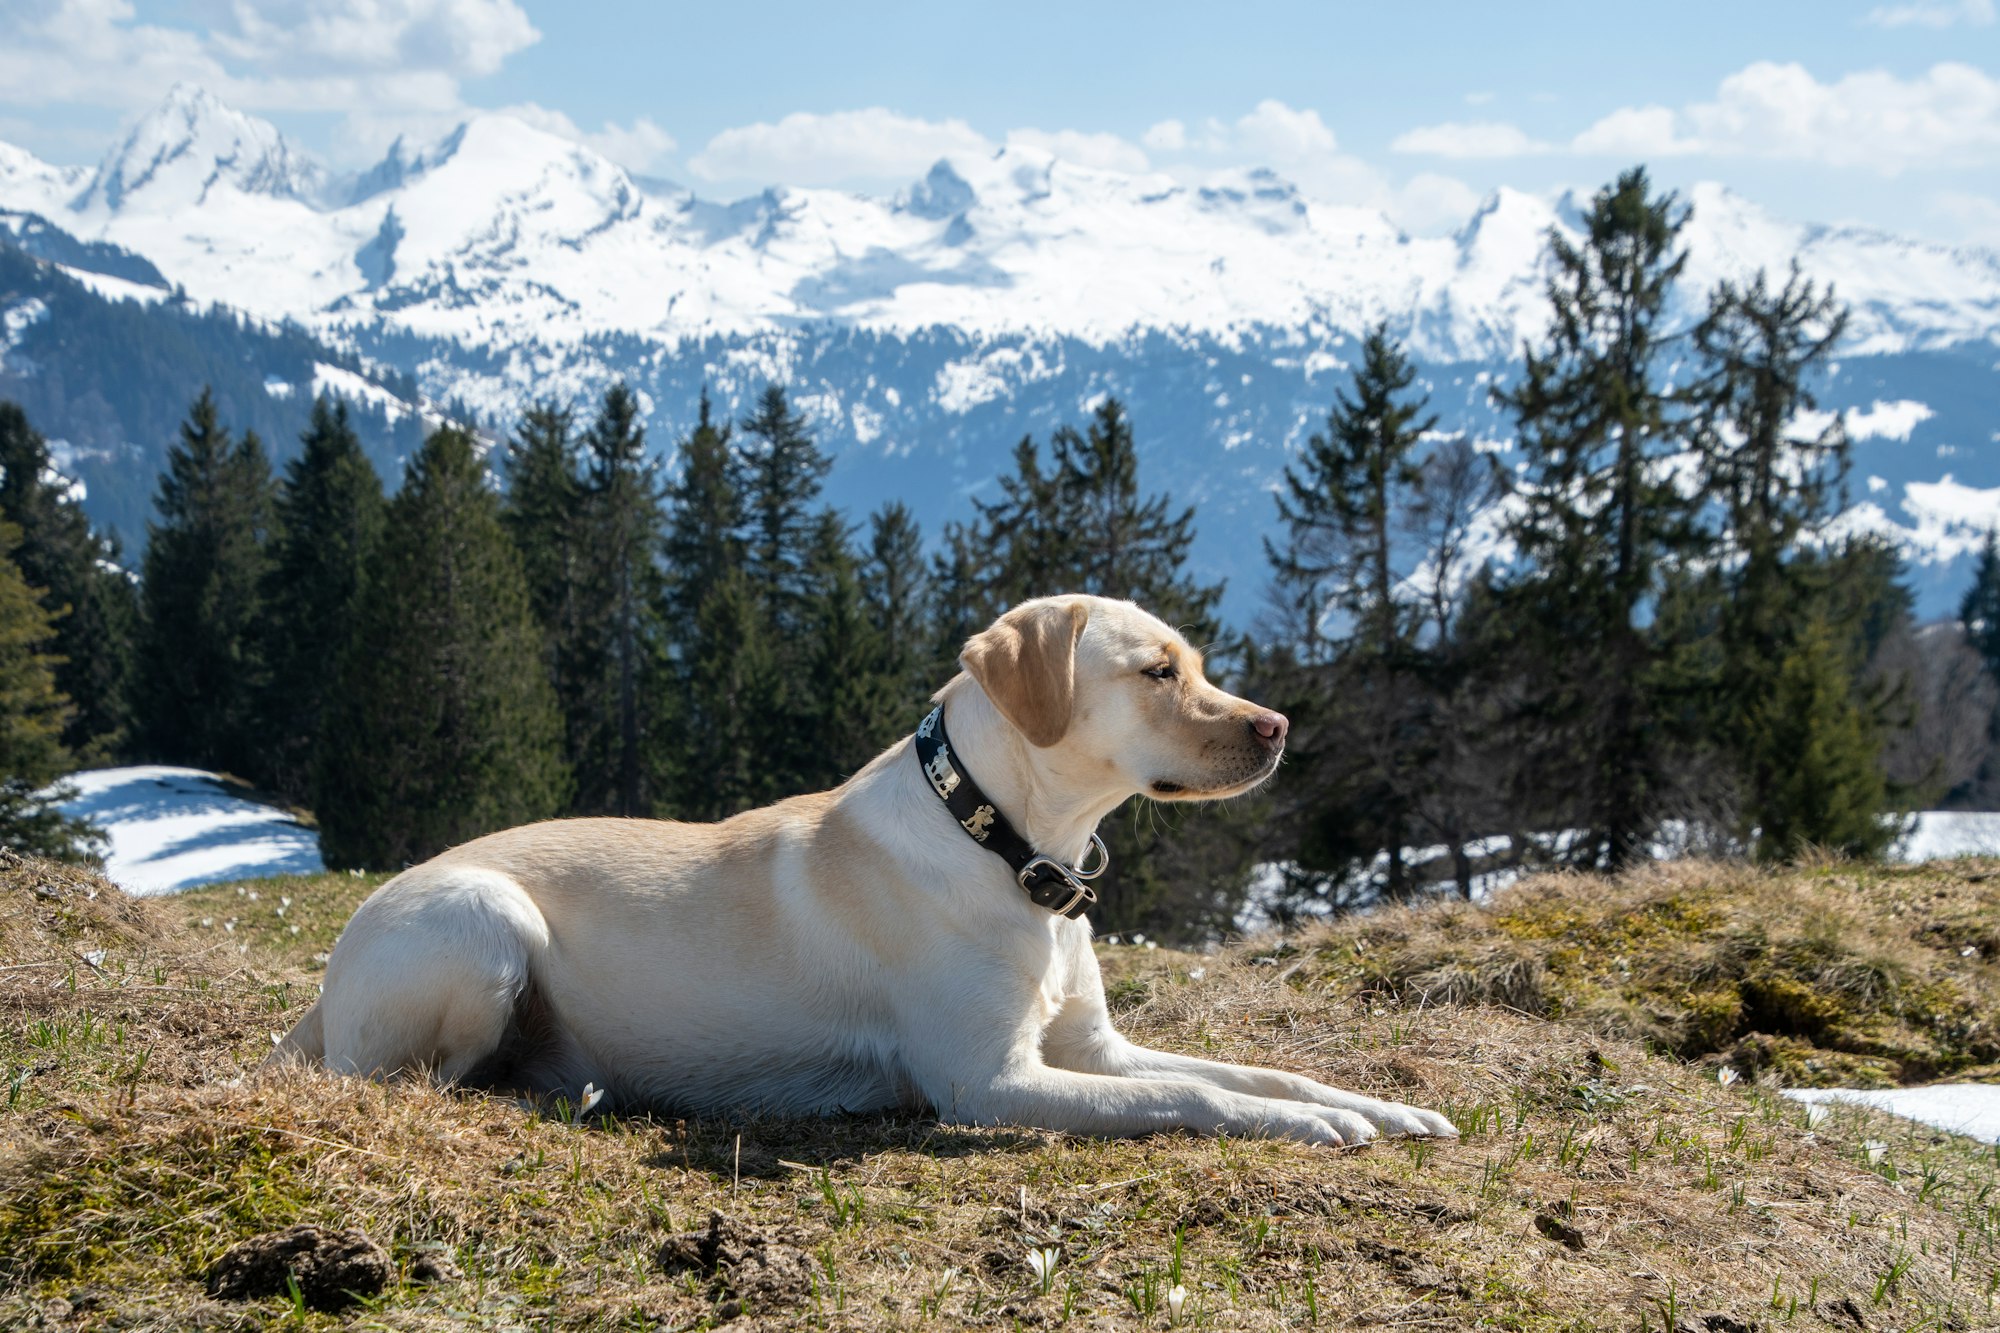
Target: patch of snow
(277,387)
(1938,835)
(170,829)
(116,289)
(17,319)
(356,389)
(1972,1109)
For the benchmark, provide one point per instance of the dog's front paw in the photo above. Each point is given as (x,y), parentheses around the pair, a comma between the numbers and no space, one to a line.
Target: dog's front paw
(1304,1123)
(1410,1121)
(1353,1129)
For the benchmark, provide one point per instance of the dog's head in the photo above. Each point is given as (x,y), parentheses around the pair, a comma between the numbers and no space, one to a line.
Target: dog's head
(1102,685)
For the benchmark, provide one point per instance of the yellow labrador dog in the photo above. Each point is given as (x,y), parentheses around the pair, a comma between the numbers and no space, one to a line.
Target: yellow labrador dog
(911,938)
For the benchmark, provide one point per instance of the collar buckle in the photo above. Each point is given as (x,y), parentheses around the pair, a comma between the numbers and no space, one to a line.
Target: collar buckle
(1041,876)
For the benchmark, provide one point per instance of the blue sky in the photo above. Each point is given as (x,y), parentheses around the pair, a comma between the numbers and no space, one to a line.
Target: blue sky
(1841,111)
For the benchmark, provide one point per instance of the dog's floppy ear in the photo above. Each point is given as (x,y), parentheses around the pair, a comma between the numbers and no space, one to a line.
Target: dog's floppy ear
(1026,663)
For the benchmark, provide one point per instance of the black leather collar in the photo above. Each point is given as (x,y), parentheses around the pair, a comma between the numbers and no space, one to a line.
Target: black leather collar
(1048,883)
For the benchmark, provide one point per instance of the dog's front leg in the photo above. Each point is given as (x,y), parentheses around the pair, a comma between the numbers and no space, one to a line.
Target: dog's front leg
(1044,1097)
(1082,1038)
(999,1078)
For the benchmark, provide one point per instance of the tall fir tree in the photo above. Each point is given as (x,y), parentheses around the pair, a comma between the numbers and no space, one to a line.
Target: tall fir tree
(1123,545)
(1771,487)
(718,651)
(33,714)
(1361,705)
(543,515)
(614,710)
(95,607)
(444,726)
(329,510)
(963,591)
(783,472)
(200,676)
(705,519)
(1600,517)
(1823,755)
(855,711)
(896,585)
(1979,611)
(732,676)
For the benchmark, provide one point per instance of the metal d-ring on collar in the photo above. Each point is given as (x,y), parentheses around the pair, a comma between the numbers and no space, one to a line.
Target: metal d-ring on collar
(1064,890)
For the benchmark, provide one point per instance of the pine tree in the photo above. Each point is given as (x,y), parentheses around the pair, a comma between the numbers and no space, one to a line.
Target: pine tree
(200,676)
(896,584)
(445,726)
(95,608)
(1124,546)
(1826,788)
(705,518)
(1770,488)
(733,690)
(543,515)
(963,600)
(329,515)
(783,472)
(709,609)
(613,716)
(1601,517)
(1023,544)
(1361,711)
(1979,612)
(855,711)
(33,713)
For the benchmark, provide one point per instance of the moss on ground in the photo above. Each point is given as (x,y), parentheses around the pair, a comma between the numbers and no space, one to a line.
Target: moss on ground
(1830,976)
(1599,1184)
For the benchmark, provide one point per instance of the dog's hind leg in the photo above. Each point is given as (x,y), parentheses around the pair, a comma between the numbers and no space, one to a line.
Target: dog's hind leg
(428,974)
(304,1044)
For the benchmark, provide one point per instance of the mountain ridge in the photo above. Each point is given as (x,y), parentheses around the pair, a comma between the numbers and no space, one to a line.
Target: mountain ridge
(994,295)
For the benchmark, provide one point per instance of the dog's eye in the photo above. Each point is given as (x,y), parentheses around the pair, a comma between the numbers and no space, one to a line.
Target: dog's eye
(1165,671)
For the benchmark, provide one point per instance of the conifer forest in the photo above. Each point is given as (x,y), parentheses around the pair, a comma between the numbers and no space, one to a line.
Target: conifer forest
(1640,633)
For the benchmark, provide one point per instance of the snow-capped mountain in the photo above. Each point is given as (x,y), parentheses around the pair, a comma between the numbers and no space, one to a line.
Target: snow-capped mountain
(502,232)
(993,295)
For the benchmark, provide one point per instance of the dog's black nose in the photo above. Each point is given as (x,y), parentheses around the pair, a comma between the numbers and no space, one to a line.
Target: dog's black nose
(1270,728)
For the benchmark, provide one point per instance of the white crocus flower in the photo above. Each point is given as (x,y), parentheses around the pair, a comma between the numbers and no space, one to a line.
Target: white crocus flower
(1042,1259)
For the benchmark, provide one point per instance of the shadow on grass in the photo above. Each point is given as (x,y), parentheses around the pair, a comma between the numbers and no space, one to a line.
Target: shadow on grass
(769,1148)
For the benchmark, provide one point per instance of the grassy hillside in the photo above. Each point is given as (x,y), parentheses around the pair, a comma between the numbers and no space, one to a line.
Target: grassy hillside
(1598,1185)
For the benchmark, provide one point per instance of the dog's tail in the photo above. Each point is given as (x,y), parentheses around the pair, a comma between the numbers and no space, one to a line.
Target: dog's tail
(303,1045)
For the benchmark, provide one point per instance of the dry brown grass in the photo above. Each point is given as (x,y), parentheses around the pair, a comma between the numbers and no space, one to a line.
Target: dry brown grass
(1597,1186)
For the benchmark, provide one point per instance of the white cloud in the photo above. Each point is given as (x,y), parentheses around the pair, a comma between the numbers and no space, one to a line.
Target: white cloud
(1932,14)
(91,51)
(809,148)
(305,55)
(641,146)
(463,38)
(1469,139)
(1478,99)
(1107,151)
(1949,115)
(1279,134)
(1299,145)
(1635,132)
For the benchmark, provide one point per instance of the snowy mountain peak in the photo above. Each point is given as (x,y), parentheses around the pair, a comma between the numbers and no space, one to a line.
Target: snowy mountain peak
(941,194)
(189,145)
